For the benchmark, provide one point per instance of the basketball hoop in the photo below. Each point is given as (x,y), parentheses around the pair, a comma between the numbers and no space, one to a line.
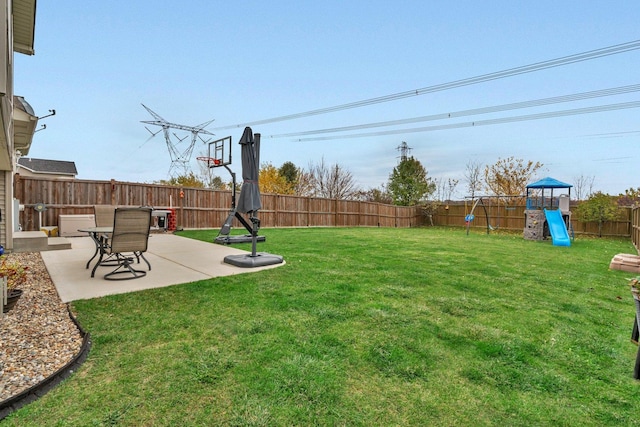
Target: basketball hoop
(211,161)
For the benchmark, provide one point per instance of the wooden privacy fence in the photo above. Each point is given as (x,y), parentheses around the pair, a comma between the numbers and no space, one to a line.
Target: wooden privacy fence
(205,208)
(635,227)
(511,217)
(198,207)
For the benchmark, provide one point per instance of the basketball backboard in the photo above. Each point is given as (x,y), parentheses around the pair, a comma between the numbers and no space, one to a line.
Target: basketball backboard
(220,152)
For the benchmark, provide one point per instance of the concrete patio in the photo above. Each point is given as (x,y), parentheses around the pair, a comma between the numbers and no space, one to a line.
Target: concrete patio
(174,260)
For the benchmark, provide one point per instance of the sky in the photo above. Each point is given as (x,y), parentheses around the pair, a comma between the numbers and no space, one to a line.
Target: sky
(236,63)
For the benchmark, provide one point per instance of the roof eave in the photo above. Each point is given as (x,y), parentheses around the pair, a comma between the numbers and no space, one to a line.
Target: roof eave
(24,124)
(24,26)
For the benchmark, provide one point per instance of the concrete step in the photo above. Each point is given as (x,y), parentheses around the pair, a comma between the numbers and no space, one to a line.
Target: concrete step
(38,241)
(58,243)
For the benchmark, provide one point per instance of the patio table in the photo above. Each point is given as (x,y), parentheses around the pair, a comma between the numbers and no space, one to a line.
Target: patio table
(97,234)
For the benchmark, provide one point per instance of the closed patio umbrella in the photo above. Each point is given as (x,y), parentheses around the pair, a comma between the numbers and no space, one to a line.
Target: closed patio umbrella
(249,201)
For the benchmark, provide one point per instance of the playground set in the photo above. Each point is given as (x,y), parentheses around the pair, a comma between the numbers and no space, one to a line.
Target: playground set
(546,215)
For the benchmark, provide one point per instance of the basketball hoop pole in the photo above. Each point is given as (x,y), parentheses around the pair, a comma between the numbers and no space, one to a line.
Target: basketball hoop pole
(213,162)
(217,163)
(233,185)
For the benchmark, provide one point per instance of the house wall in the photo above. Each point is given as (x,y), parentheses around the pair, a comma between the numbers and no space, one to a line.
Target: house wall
(6,210)
(6,124)
(25,13)
(6,86)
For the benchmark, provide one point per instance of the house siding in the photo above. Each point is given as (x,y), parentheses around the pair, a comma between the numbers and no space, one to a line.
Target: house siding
(6,211)
(6,130)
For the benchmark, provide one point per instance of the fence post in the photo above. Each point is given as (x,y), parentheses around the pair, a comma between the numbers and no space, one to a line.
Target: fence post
(396,216)
(113,191)
(180,225)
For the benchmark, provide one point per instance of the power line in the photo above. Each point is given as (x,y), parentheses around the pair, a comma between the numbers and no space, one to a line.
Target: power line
(579,57)
(473,112)
(552,114)
(624,133)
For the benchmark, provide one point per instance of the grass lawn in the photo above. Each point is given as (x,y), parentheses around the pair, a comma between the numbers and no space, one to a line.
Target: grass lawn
(366,326)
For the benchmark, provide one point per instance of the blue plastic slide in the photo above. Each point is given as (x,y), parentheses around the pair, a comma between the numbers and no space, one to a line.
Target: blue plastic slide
(557,228)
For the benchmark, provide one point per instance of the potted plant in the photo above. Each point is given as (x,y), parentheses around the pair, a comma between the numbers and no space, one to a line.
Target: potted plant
(16,275)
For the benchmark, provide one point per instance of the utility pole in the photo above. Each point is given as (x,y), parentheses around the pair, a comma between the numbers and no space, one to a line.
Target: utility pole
(179,157)
(404,151)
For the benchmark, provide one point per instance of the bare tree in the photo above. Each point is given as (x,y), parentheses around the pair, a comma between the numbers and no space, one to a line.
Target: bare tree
(378,195)
(583,186)
(509,177)
(451,188)
(439,189)
(473,178)
(304,183)
(332,182)
(445,188)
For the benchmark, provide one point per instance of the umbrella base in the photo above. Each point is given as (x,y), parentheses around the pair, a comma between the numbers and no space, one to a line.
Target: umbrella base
(260,259)
(230,240)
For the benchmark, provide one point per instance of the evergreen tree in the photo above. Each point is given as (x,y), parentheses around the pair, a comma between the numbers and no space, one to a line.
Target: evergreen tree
(409,183)
(289,172)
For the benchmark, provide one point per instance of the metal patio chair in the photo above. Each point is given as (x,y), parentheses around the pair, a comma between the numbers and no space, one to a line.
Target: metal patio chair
(129,240)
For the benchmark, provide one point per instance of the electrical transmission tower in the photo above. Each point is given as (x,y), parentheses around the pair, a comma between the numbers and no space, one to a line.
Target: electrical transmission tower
(180,156)
(404,151)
